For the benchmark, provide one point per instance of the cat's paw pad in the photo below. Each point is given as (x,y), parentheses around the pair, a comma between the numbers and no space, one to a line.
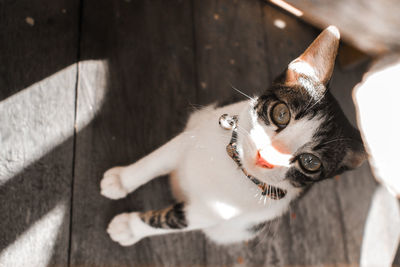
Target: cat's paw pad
(120,231)
(111,185)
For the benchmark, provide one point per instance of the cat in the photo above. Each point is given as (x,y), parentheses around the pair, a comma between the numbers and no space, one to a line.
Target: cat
(234,172)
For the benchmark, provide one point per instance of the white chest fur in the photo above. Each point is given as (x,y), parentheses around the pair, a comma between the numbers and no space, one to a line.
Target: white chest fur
(211,180)
(219,199)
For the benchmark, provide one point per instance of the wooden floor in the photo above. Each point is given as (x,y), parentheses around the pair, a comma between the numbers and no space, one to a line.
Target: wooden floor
(86,85)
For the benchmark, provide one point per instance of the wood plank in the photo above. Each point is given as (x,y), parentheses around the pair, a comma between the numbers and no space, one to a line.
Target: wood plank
(37,93)
(142,91)
(372,26)
(33,34)
(230,49)
(139,104)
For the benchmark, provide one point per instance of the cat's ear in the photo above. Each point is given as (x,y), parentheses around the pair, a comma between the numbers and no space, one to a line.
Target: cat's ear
(318,61)
(355,156)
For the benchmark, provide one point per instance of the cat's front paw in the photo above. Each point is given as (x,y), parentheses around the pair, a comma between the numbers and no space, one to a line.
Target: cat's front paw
(120,231)
(111,185)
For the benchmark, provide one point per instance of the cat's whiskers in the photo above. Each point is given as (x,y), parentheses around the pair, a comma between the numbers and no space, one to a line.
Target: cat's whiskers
(246,141)
(308,104)
(247,134)
(274,232)
(336,140)
(237,90)
(270,189)
(316,102)
(266,233)
(257,193)
(243,129)
(260,199)
(196,107)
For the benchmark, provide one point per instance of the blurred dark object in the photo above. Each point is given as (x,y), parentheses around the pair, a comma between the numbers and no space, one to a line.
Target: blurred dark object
(371,26)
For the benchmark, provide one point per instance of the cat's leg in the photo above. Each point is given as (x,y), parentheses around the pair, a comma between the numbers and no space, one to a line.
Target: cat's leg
(129,228)
(117,182)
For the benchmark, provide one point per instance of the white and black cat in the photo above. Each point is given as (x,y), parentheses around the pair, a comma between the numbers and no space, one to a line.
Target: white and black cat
(231,176)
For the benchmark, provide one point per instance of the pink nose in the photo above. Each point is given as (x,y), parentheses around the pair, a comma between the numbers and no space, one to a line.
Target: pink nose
(260,161)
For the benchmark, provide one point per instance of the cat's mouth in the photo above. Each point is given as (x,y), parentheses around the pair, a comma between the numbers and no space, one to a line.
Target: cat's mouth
(230,123)
(269,157)
(261,162)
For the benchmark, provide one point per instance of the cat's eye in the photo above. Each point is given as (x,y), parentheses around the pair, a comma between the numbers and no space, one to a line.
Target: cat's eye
(309,162)
(280,115)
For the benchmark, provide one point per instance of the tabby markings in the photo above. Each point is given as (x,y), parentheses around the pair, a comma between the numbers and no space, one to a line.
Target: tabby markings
(172,217)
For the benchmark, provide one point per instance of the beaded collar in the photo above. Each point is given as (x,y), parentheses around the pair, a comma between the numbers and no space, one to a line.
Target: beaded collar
(230,123)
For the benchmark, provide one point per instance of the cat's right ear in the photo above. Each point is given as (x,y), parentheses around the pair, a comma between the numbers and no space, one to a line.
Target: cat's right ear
(318,61)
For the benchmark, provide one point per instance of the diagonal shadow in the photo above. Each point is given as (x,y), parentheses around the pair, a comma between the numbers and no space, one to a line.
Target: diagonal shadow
(42,50)
(32,52)
(28,196)
(150,113)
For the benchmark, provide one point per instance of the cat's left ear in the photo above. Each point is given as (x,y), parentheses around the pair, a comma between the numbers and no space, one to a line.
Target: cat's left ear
(355,156)
(318,61)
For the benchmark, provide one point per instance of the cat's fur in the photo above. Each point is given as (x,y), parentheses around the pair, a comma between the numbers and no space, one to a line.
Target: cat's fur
(214,195)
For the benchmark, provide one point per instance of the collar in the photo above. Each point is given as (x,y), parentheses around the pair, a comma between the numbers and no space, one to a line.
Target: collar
(230,123)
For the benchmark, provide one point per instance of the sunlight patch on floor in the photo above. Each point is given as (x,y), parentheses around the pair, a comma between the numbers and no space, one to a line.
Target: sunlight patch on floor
(37,119)
(90,99)
(35,246)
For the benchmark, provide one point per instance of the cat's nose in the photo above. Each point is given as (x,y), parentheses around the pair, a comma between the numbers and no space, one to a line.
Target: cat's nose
(269,157)
(260,161)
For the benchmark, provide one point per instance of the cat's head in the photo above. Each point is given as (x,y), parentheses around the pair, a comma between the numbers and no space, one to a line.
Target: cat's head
(297,133)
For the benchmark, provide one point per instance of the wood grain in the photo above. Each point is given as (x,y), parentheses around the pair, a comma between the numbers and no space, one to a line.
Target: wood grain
(147,47)
(229,51)
(37,93)
(30,53)
(143,67)
(220,49)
